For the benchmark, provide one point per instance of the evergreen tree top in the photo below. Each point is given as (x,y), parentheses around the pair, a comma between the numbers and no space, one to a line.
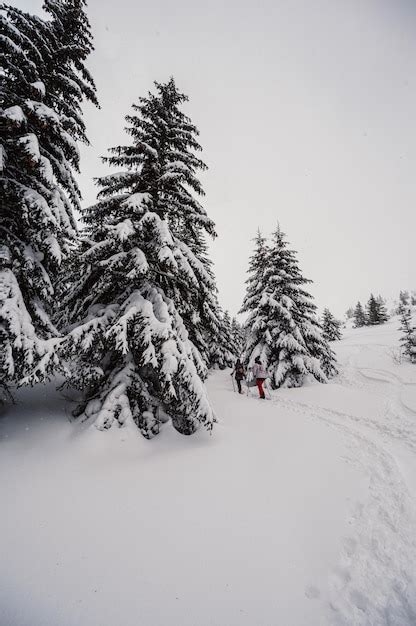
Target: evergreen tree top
(46,77)
(161,163)
(260,248)
(71,25)
(145,227)
(283,270)
(257,267)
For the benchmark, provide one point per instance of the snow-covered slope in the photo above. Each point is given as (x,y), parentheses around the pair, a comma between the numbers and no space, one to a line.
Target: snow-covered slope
(298,511)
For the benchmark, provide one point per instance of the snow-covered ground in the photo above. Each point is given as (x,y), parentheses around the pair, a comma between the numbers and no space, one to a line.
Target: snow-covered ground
(295,512)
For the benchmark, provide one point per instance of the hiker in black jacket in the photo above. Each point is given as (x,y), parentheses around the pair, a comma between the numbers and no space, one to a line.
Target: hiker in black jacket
(239,374)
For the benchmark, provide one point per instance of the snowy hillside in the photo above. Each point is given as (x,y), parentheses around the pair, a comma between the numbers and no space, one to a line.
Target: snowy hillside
(298,511)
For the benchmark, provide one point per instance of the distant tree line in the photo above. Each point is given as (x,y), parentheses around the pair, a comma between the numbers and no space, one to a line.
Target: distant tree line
(407,298)
(372,314)
(375,313)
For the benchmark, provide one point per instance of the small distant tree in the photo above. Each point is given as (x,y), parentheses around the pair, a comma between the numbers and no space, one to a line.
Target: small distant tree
(222,350)
(349,313)
(404,298)
(408,338)
(237,336)
(328,361)
(376,311)
(330,326)
(382,311)
(372,311)
(413,298)
(360,318)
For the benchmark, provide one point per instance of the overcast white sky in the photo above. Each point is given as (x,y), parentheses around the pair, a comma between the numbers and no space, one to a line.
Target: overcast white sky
(306,110)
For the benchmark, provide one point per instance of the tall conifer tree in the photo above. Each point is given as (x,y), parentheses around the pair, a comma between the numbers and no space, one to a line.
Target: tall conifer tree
(143,294)
(283,328)
(44,83)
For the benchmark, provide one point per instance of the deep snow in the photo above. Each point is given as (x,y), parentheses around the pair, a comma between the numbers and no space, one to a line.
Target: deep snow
(295,512)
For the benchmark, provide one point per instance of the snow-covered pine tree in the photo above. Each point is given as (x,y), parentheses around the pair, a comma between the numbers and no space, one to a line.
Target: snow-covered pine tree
(331,326)
(283,328)
(174,183)
(257,266)
(303,326)
(137,282)
(255,286)
(349,313)
(372,311)
(376,311)
(328,361)
(222,350)
(408,330)
(205,319)
(382,310)
(237,336)
(404,297)
(43,85)
(360,318)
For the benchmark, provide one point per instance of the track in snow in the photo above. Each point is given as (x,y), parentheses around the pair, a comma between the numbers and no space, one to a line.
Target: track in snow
(374,582)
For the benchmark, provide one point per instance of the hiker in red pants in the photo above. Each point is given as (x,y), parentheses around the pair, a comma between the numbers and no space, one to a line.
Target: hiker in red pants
(259,374)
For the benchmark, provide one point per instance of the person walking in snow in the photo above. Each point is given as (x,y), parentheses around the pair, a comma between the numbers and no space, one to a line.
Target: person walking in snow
(238,373)
(259,374)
